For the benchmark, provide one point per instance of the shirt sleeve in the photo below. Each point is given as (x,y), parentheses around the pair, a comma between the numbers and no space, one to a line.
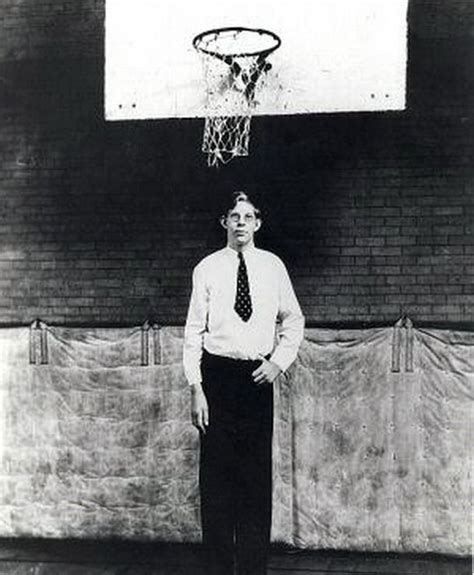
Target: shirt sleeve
(291,330)
(195,328)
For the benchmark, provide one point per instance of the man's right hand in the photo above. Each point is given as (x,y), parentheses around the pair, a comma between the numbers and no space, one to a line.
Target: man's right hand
(199,408)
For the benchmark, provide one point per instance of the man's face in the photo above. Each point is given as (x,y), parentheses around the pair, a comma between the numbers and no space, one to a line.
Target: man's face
(241,224)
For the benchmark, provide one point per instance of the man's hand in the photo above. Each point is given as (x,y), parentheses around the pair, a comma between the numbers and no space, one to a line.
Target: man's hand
(199,408)
(266,373)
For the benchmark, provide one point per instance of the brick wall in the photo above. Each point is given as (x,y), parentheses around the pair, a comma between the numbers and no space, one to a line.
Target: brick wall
(102,222)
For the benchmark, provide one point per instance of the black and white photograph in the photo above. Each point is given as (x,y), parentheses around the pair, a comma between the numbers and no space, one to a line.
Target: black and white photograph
(236,287)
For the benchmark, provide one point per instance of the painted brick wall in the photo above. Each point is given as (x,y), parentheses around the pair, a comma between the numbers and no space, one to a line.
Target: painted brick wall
(102,223)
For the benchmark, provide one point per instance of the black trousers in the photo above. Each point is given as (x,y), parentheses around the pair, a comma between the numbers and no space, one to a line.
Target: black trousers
(236,467)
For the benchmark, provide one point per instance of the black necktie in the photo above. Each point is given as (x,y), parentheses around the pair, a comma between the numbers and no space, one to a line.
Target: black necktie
(243,303)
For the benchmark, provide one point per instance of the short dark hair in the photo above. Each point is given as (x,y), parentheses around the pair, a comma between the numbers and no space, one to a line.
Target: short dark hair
(240,196)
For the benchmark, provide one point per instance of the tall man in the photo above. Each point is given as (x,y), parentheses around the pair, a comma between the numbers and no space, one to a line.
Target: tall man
(232,355)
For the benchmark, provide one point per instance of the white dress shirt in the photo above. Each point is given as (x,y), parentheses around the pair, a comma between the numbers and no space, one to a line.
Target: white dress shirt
(212,323)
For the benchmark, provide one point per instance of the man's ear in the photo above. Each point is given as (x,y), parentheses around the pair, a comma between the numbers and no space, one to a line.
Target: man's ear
(223,222)
(258,224)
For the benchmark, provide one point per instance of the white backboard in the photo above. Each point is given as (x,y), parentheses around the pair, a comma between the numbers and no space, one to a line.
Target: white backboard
(335,55)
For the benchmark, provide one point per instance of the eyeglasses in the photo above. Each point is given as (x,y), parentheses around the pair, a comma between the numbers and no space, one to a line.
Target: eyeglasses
(246,217)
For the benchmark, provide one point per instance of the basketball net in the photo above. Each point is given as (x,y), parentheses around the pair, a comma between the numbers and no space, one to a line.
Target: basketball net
(232,80)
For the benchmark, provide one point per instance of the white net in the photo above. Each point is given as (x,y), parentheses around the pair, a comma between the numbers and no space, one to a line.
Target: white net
(225,137)
(234,66)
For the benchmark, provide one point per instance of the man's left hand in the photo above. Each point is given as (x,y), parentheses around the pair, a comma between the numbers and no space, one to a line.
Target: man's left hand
(266,373)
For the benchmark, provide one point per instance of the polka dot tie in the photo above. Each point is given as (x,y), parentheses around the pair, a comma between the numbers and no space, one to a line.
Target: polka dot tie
(243,303)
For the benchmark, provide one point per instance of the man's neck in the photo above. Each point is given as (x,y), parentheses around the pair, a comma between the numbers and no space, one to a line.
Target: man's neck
(241,248)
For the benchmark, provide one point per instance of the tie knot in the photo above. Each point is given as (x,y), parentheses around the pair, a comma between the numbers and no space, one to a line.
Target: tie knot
(241,256)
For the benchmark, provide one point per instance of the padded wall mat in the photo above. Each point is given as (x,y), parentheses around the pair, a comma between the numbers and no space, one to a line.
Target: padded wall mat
(371,445)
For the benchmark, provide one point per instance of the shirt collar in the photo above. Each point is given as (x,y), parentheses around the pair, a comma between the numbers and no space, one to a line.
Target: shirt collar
(231,252)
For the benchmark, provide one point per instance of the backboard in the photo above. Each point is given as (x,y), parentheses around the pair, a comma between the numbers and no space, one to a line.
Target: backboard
(335,55)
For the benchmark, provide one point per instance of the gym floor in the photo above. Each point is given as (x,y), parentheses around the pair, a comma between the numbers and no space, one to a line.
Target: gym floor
(50,557)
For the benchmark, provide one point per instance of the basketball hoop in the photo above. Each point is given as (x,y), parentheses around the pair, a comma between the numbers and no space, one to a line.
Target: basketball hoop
(234,61)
